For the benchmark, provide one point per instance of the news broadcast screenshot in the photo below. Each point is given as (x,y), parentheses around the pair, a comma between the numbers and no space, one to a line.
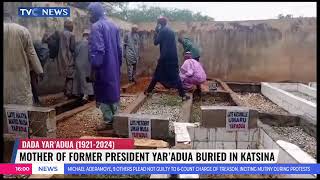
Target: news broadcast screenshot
(159,90)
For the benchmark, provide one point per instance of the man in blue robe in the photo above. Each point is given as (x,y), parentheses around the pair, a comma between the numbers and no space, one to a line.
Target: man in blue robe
(106,59)
(167,70)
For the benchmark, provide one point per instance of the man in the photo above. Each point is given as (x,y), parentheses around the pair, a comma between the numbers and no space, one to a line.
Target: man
(83,69)
(19,59)
(192,73)
(106,59)
(65,59)
(167,70)
(132,52)
(189,46)
(43,55)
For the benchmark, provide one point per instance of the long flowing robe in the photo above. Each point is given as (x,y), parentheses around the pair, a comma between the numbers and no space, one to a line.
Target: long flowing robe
(19,59)
(83,68)
(132,53)
(132,47)
(105,57)
(65,60)
(192,73)
(167,70)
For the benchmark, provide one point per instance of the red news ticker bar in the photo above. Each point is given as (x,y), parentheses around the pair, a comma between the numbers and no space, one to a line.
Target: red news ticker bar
(15,168)
(112,143)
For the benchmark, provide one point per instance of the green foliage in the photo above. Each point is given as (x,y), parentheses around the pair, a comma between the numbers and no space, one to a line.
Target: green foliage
(150,14)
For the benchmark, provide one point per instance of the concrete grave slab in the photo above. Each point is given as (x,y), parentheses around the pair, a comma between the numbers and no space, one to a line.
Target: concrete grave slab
(42,120)
(159,125)
(215,116)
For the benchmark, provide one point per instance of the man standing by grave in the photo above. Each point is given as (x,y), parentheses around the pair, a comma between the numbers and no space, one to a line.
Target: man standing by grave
(83,68)
(43,55)
(167,70)
(19,59)
(132,52)
(106,59)
(65,59)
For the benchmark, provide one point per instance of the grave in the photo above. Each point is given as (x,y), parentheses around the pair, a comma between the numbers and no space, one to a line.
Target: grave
(281,94)
(256,136)
(299,129)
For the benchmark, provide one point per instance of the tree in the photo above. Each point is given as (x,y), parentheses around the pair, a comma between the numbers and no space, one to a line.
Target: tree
(149,14)
(280,16)
(288,16)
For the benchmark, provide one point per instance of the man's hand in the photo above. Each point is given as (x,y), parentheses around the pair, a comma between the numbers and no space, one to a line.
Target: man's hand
(41,75)
(158,27)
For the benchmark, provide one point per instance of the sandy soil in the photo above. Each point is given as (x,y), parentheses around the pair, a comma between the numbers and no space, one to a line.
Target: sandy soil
(85,122)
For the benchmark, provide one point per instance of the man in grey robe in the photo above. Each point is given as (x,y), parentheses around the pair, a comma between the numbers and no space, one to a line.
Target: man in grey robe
(83,68)
(65,59)
(132,52)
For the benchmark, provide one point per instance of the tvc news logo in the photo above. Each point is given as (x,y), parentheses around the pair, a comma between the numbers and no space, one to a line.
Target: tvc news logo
(44,11)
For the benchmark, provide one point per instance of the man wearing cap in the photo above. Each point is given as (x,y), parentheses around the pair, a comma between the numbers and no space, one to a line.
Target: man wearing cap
(188,45)
(132,52)
(83,68)
(106,58)
(167,70)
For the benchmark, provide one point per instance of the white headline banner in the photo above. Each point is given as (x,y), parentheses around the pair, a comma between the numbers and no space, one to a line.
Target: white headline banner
(147,156)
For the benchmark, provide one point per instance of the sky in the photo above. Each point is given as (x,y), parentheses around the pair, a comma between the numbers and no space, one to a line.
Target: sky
(232,11)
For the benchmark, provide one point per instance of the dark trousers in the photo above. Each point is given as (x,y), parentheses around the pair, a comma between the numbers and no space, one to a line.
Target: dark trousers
(34,86)
(155,80)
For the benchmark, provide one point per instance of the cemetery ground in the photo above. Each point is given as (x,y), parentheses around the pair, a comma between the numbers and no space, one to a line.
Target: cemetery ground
(166,111)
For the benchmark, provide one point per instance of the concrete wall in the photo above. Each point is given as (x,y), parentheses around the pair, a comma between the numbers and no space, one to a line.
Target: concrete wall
(313,84)
(266,50)
(52,82)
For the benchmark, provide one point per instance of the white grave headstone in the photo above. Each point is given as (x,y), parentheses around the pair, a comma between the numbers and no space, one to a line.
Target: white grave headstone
(18,122)
(139,127)
(237,120)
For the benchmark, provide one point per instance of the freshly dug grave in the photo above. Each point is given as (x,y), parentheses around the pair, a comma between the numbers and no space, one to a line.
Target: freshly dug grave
(85,122)
(142,84)
(261,103)
(304,96)
(239,176)
(207,100)
(165,105)
(299,137)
